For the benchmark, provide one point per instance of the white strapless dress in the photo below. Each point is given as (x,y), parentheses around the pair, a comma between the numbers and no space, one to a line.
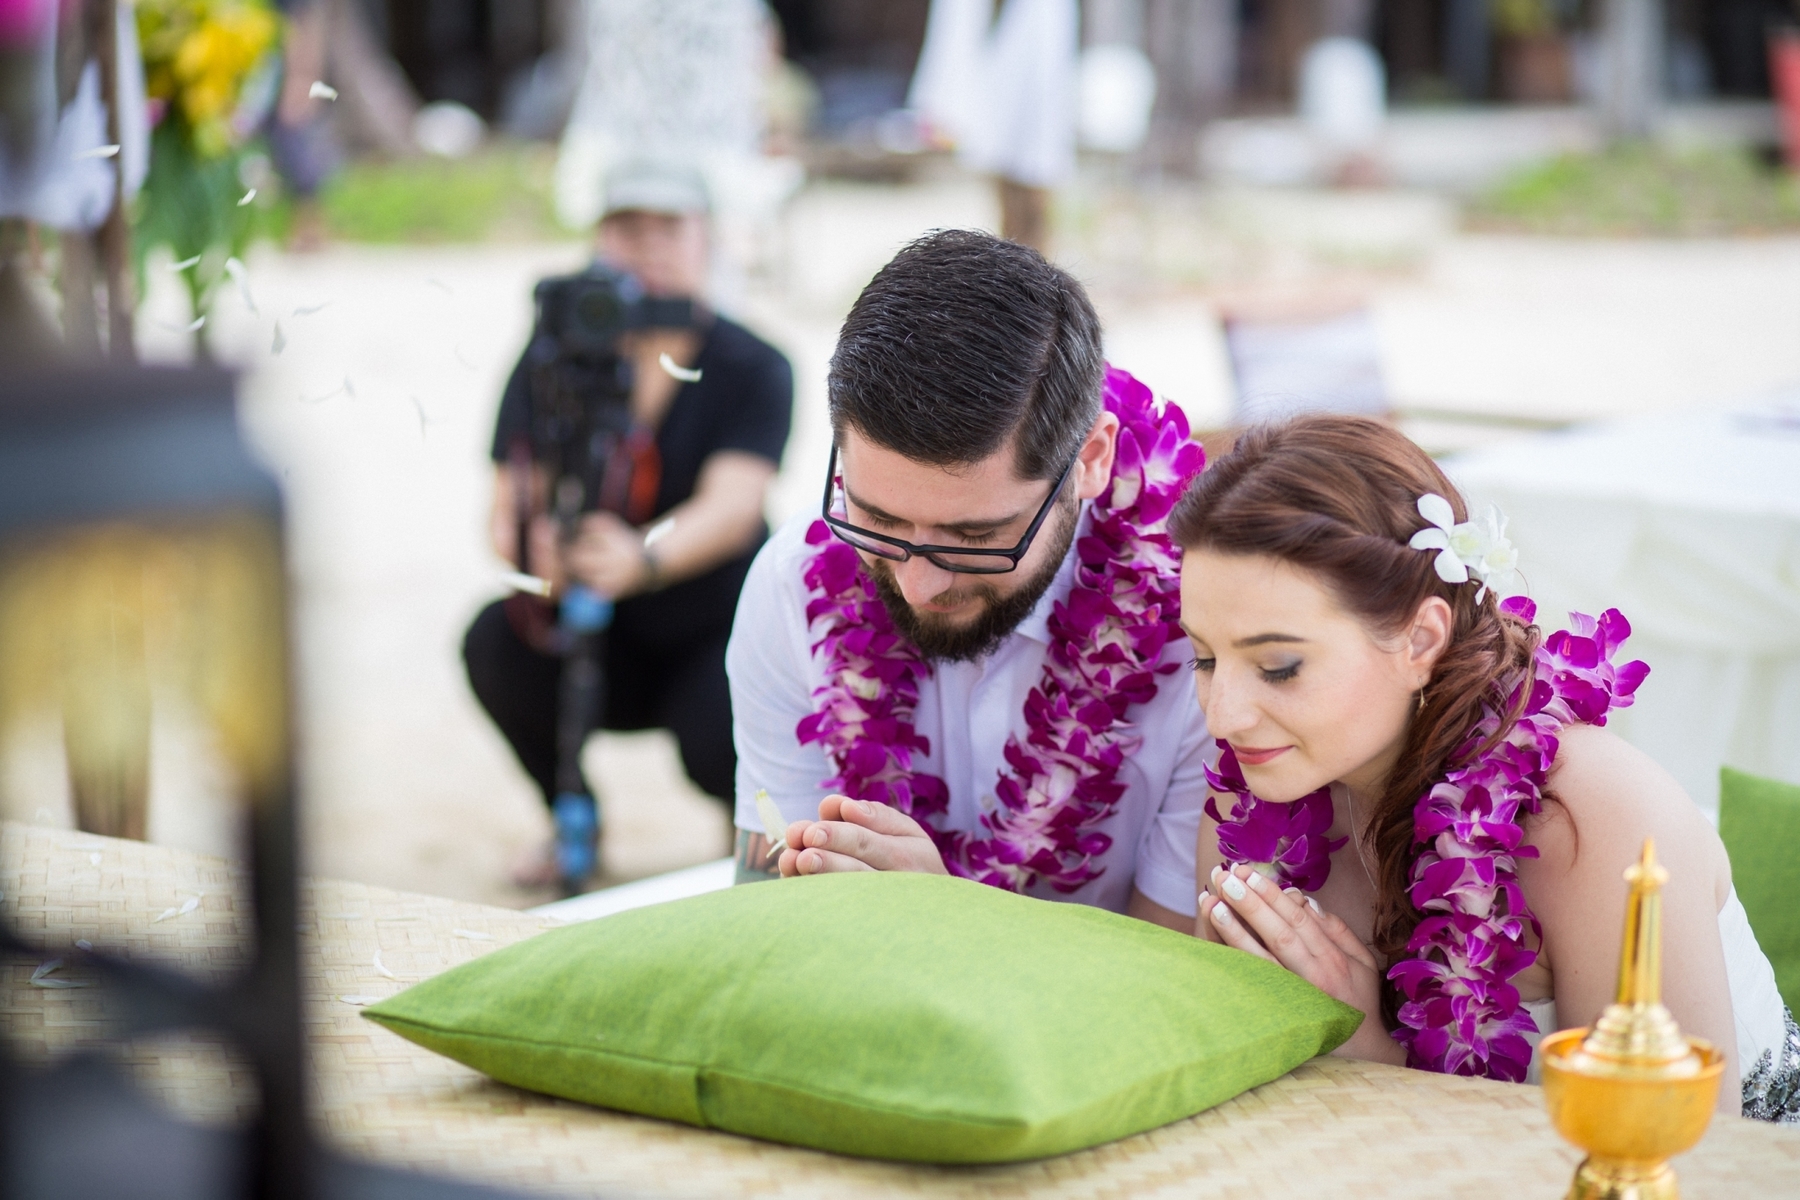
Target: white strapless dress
(1762,1019)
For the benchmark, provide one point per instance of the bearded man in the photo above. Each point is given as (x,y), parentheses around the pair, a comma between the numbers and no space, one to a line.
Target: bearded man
(968,662)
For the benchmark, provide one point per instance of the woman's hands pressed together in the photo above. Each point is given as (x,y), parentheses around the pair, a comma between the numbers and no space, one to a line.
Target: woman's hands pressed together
(1245,909)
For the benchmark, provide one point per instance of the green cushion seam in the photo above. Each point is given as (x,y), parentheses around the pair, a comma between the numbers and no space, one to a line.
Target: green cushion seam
(506,1039)
(849,1099)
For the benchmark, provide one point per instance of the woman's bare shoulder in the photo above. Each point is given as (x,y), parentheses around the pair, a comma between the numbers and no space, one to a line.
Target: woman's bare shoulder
(1608,797)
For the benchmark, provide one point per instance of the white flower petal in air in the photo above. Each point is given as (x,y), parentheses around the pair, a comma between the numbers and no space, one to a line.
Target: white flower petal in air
(321,91)
(518,581)
(248,197)
(99,152)
(675,371)
(184,264)
(769,813)
(1437,510)
(240,275)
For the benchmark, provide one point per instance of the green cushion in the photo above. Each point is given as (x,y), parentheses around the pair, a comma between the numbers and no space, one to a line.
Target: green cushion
(895,1016)
(1759,822)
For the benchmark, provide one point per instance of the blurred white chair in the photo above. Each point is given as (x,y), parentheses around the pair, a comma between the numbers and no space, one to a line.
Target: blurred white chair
(1283,366)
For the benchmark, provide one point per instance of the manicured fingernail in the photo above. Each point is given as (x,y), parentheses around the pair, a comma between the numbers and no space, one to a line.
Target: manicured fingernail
(851,806)
(1234,887)
(1221,915)
(1259,881)
(1216,872)
(1315,905)
(1294,894)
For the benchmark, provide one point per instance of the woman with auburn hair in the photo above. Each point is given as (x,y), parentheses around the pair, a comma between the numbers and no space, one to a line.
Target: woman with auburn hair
(1415,806)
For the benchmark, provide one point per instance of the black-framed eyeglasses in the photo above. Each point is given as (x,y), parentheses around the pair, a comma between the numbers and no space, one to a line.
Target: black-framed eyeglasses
(964,560)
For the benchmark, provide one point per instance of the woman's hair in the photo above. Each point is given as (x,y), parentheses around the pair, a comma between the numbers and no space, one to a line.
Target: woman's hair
(1338,496)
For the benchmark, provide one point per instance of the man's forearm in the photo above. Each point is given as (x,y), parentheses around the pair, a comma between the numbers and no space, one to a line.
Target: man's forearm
(718,522)
(1145,909)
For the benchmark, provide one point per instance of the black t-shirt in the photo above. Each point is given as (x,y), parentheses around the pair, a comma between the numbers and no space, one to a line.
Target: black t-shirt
(743,401)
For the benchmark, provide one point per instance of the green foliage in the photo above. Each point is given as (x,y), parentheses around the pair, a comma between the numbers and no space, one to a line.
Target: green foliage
(1641,189)
(189,203)
(501,192)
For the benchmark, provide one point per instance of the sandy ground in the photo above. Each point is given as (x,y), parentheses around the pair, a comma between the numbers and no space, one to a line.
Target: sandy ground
(377,412)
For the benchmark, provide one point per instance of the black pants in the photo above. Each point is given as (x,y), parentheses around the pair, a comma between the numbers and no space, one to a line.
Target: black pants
(680,689)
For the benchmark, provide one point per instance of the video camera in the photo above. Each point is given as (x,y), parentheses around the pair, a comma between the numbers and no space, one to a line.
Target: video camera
(582,431)
(595,456)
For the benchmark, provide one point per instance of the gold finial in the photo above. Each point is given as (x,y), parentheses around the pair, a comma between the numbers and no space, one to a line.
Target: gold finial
(1636,1031)
(1633,1091)
(1640,960)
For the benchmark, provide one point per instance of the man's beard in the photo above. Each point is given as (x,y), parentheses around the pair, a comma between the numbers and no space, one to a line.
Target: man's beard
(940,641)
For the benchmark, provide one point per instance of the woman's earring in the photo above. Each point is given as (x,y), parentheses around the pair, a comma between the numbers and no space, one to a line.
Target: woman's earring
(1421,709)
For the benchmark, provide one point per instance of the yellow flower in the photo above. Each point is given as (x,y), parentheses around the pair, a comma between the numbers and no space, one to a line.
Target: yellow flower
(198,54)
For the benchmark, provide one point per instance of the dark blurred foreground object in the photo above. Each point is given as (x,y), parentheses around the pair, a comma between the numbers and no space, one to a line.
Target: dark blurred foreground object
(83,1132)
(73,149)
(126,497)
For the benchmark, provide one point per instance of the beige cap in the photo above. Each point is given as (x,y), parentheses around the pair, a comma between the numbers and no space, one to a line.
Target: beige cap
(655,185)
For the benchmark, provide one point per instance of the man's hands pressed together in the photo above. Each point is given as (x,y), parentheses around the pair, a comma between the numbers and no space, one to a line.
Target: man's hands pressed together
(855,835)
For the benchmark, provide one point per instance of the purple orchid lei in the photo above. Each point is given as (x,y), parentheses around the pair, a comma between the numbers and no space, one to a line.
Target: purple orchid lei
(1462,1015)
(1285,841)
(1107,641)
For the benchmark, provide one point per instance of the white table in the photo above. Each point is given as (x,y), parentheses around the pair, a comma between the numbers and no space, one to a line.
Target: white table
(671,885)
(1689,524)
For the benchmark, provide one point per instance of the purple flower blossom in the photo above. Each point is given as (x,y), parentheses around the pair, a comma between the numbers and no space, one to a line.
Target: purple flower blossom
(1286,840)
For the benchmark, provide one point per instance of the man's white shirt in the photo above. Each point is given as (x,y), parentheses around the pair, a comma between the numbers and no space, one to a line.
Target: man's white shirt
(967,710)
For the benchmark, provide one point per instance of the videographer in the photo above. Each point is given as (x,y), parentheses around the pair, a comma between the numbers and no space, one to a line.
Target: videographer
(718,402)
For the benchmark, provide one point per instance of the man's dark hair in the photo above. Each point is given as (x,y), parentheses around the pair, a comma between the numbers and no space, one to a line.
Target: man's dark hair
(961,340)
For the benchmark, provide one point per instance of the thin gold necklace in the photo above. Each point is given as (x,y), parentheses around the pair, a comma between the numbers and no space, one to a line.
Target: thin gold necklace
(1356,833)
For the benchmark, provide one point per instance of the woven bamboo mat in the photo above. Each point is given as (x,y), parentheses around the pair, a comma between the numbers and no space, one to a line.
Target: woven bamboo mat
(1331,1128)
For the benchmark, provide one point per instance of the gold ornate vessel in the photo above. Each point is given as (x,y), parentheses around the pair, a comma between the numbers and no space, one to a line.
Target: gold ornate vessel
(1632,1091)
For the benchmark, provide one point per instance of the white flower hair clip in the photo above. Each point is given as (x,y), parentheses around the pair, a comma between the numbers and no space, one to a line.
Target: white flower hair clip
(1473,548)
